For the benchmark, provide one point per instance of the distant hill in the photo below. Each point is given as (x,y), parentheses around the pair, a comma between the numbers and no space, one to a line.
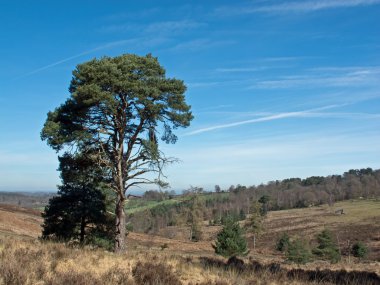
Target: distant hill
(26,199)
(359,223)
(155,211)
(18,221)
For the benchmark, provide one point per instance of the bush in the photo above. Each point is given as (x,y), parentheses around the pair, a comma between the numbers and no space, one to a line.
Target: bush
(72,278)
(118,276)
(129,227)
(196,232)
(242,215)
(327,248)
(230,240)
(102,237)
(102,242)
(154,274)
(360,250)
(298,251)
(283,242)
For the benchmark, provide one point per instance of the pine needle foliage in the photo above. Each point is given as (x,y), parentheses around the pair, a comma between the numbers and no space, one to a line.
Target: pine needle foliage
(298,251)
(328,248)
(230,241)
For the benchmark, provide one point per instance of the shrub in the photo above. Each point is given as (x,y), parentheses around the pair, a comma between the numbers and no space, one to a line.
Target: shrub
(327,248)
(230,240)
(154,274)
(242,215)
(196,232)
(298,251)
(116,276)
(129,227)
(360,250)
(102,242)
(283,242)
(72,278)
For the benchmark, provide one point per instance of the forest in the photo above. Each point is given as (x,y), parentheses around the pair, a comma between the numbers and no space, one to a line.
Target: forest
(168,209)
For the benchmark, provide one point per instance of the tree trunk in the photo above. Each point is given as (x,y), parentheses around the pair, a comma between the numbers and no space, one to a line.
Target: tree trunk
(120,226)
(82,228)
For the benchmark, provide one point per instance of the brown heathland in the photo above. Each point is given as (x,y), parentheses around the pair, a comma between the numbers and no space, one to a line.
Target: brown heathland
(183,262)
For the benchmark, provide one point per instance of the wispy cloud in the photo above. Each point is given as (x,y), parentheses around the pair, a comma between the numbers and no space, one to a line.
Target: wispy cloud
(306,113)
(102,47)
(135,42)
(200,44)
(128,15)
(203,84)
(274,156)
(165,27)
(216,107)
(295,7)
(264,63)
(173,26)
(325,77)
(239,69)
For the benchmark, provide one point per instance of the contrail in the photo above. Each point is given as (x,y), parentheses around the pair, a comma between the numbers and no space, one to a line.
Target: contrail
(264,119)
(106,46)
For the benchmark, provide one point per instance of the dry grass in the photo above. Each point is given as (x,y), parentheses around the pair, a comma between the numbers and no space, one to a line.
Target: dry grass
(359,223)
(24,260)
(31,262)
(20,221)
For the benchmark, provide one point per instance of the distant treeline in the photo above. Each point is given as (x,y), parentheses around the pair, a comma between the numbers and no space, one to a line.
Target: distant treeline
(26,199)
(237,200)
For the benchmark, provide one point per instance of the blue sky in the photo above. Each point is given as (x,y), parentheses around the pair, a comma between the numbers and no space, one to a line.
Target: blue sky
(278,88)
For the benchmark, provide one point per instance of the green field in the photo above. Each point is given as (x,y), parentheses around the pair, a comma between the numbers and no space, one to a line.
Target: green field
(137,205)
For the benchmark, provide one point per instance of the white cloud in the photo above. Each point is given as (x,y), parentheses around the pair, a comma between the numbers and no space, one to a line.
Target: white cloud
(165,27)
(306,113)
(200,44)
(239,69)
(322,77)
(254,161)
(173,26)
(309,6)
(295,7)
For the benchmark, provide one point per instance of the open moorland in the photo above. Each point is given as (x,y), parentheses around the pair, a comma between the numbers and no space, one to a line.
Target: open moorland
(186,262)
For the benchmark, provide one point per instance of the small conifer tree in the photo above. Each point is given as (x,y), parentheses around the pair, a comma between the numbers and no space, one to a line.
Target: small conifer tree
(283,242)
(255,222)
(360,250)
(328,248)
(230,241)
(298,251)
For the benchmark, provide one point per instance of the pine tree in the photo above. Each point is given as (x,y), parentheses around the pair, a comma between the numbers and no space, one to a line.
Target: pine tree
(328,248)
(79,209)
(360,250)
(195,217)
(230,241)
(255,222)
(298,251)
(264,200)
(119,106)
(283,242)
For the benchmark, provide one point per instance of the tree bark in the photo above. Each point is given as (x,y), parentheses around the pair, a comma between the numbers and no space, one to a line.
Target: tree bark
(82,228)
(120,226)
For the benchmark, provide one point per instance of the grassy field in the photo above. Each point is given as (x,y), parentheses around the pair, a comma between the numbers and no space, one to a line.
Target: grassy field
(133,206)
(187,262)
(136,205)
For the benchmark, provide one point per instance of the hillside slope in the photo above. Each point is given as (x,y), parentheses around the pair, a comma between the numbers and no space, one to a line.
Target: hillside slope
(15,220)
(361,222)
